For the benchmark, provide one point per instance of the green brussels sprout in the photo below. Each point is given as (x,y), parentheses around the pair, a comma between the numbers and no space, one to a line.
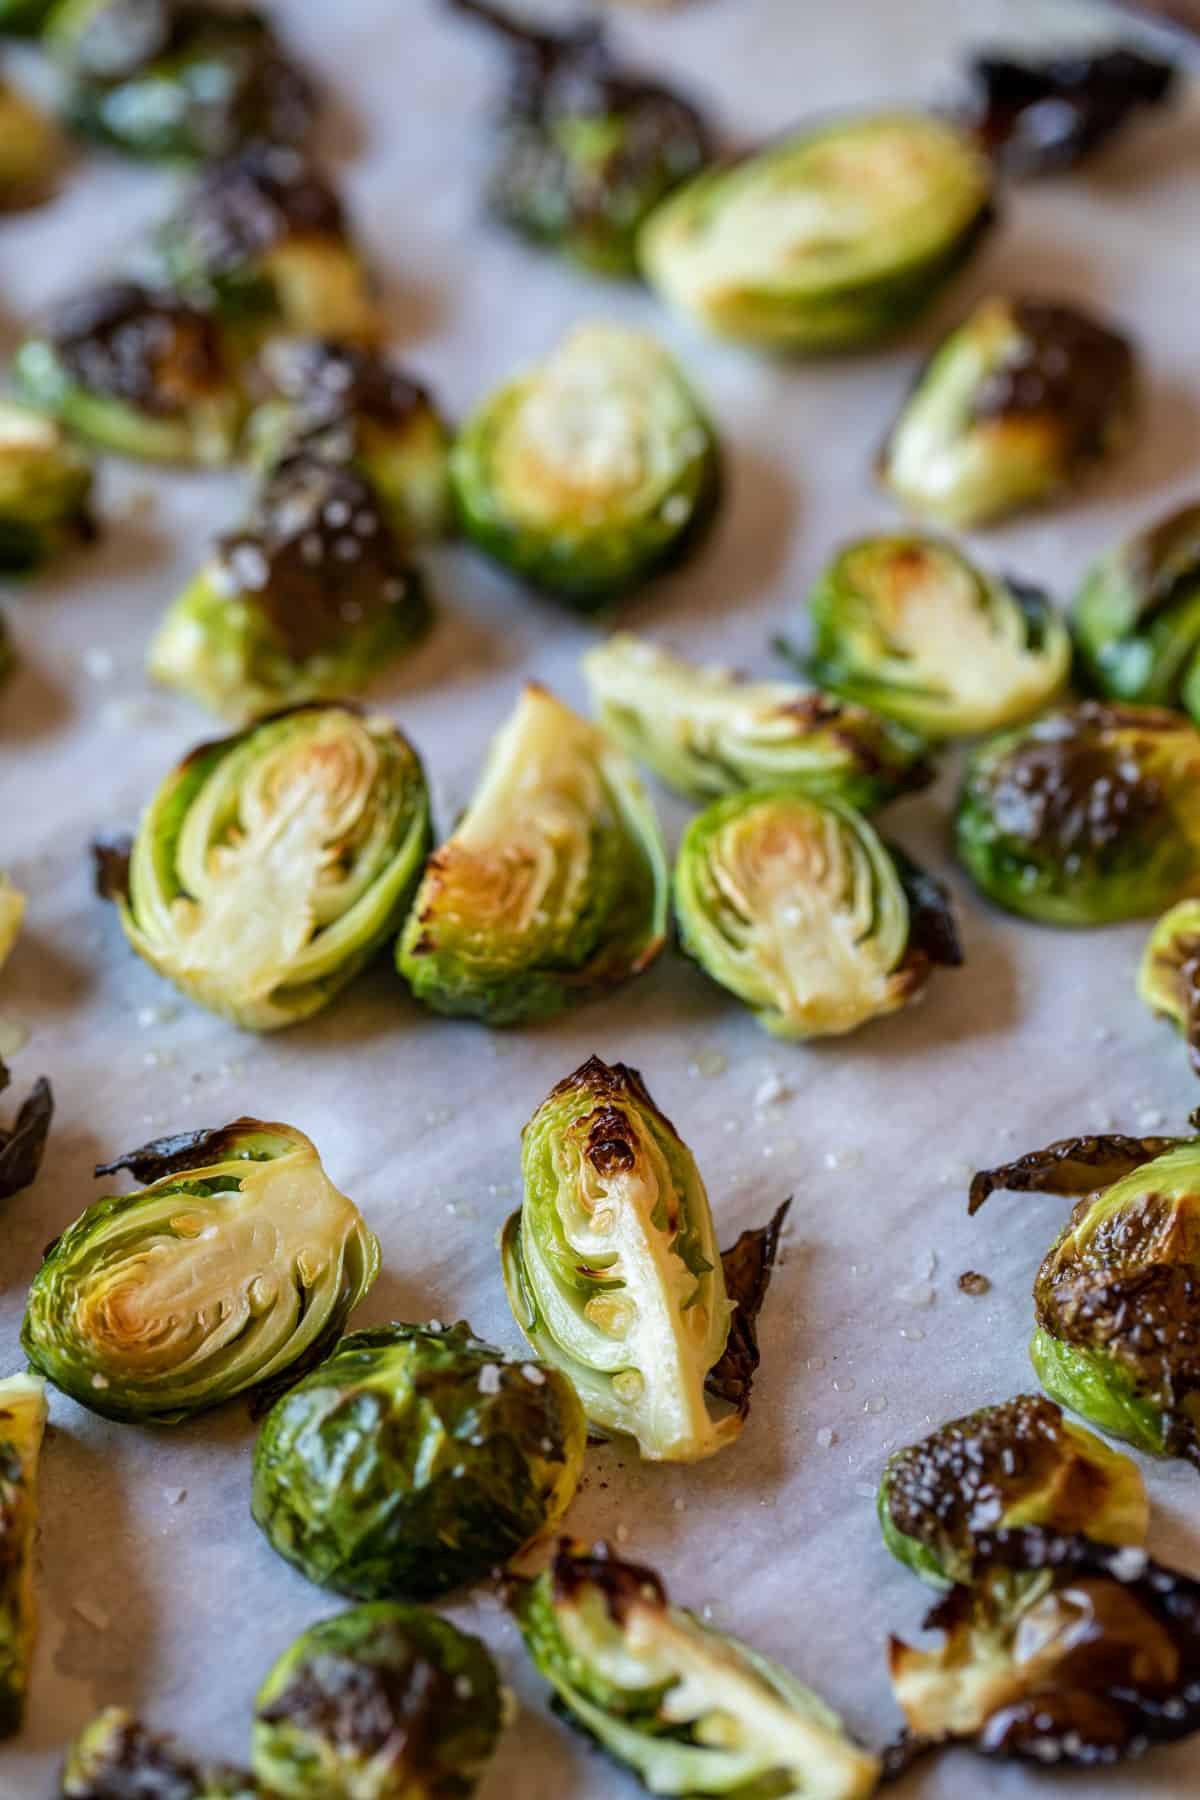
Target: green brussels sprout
(45,490)
(1169,977)
(554,884)
(22,1423)
(385,1702)
(235,1268)
(1016,1463)
(689,1709)
(139,372)
(706,732)
(23,1144)
(23,18)
(590,472)
(1085,816)
(415,1460)
(832,238)
(1137,616)
(271,866)
(30,150)
(907,625)
(310,600)
(585,149)
(1011,409)
(798,907)
(116,1758)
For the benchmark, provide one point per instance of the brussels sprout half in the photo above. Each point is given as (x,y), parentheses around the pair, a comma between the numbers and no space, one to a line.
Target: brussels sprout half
(1137,616)
(30,149)
(116,1758)
(690,1710)
(798,907)
(45,490)
(23,1145)
(22,1423)
(237,1266)
(1013,407)
(907,625)
(1169,977)
(414,1460)
(831,238)
(385,1702)
(1085,816)
(553,887)
(270,866)
(590,472)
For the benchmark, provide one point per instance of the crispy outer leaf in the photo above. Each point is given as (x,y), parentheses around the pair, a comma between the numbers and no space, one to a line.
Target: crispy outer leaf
(748,1265)
(932,927)
(185,1150)
(23,1145)
(110,865)
(1078,1165)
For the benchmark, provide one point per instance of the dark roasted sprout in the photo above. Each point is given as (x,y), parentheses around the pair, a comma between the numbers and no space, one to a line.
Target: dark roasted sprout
(1086,816)
(23,1143)
(1137,616)
(1039,118)
(45,490)
(384,1702)
(30,150)
(116,1758)
(1169,977)
(415,1459)
(22,1423)
(689,1709)
(1012,408)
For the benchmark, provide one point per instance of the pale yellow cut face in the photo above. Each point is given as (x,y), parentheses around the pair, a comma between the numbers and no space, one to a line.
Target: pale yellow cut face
(12,912)
(323,291)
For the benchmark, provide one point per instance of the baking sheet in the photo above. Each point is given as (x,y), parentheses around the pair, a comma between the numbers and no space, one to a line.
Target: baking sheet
(155,1589)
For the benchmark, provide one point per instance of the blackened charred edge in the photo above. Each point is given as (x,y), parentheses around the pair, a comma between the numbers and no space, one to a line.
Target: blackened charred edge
(932,927)
(624,1585)
(130,1760)
(747,1266)
(110,865)
(617,1082)
(1045,116)
(186,1150)
(23,1147)
(1080,1165)
(1074,1557)
(611,1141)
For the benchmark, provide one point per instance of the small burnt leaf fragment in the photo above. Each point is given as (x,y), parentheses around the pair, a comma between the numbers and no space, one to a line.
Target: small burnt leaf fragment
(748,1266)
(23,1145)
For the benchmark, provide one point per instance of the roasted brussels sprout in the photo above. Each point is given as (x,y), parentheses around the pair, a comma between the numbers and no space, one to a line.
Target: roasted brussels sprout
(23,1145)
(22,1422)
(1037,118)
(1011,409)
(1085,816)
(270,866)
(116,1758)
(832,238)
(30,150)
(689,1709)
(385,1702)
(799,908)
(590,472)
(45,490)
(1137,616)
(12,913)
(139,372)
(1169,978)
(311,599)
(235,1268)
(1016,1463)
(907,625)
(553,886)
(415,1459)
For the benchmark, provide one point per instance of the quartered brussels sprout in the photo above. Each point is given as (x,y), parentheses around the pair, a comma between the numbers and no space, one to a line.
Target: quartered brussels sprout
(590,472)
(313,598)
(1016,1463)
(45,490)
(385,1702)
(1012,408)
(414,1460)
(706,732)
(690,1710)
(139,372)
(553,887)
(1038,118)
(798,907)
(30,150)
(23,1144)
(1086,816)
(1137,616)
(22,1422)
(234,1269)
(585,149)
(116,1758)
(270,866)
(1169,977)
(831,238)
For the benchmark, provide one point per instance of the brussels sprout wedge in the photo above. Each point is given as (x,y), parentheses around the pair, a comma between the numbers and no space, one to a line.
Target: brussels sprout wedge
(832,238)
(23,1144)
(30,149)
(591,472)
(1137,616)
(116,1758)
(45,490)
(414,1460)
(22,1423)
(1169,978)
(553,886)
(690,1710)
(1012,408)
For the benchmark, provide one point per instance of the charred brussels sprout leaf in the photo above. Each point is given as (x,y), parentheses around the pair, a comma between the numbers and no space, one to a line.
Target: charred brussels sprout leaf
(554,885)
(116,1758)
(30,151)
(1084,817)
(748,1266)
(236,1267)
(1137,616)
(387,1702)
(690,1710)
(834,237)
(590,472)
(1012,408)
(415,1459)
(270,866)
(22,1422)
(45,490)
(23,1145)
(1038,118)
(1169,979)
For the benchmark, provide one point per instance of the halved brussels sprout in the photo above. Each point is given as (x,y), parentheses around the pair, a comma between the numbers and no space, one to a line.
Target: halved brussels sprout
(1013,407)
(22,1423)
(585,149)
(45,490)
(1038,118)
(1137,616)
(553,887)
(414,1460)
(116,1758)
(689,1709)
(235,1268)
(313,598)
(23,1145)
(30,150)
(1086,816)
(1016,1463)
(706,732)
(12,913)
(135,371)
(799,908)
(834,237)
(385,1702)
(590,472)
(270,866)
(1169,978)
(907,625)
